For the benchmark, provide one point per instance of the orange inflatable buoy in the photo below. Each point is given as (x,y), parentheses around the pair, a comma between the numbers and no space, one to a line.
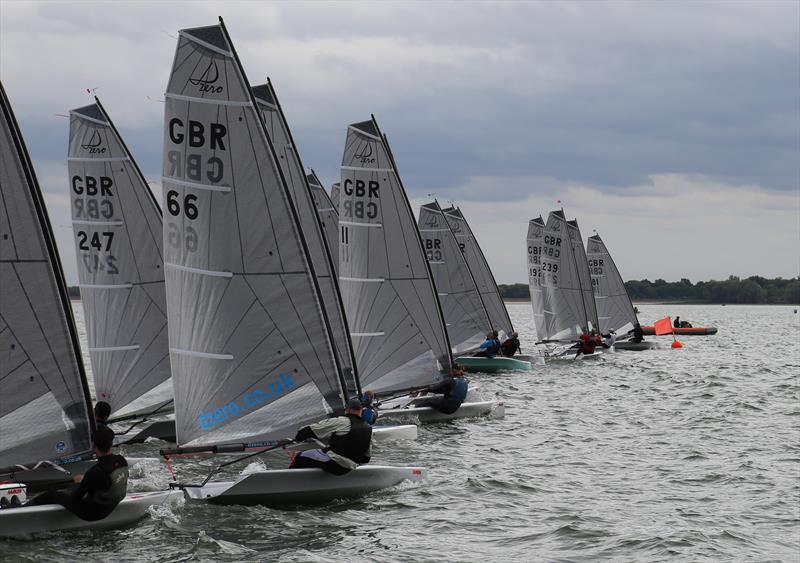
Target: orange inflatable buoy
(677,344)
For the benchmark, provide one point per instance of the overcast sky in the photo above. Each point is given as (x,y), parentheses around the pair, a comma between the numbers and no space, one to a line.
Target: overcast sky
(673,128)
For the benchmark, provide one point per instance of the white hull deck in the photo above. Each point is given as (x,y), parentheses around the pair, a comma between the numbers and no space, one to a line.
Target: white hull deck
(467,410)
(28,520)
(303,486)
(393,433)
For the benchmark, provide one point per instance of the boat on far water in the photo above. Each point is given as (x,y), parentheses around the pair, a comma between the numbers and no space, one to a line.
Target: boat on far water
(687,331)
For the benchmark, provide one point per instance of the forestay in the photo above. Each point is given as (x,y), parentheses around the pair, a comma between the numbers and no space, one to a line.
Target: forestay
(559,278)
(45,405)
(487,287)
(328,216)
(390,300)
(584,278)
(534,240)
(251,352)
(321,256)
(464,314)
(117,226)
(614,307)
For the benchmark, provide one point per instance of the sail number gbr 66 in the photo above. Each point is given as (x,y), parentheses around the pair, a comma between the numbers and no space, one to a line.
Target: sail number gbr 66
(194,161)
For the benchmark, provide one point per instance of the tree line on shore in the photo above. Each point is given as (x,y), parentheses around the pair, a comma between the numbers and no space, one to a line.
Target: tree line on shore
(752,290)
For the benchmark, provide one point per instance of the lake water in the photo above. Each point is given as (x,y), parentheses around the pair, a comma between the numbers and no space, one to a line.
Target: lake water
(680,455)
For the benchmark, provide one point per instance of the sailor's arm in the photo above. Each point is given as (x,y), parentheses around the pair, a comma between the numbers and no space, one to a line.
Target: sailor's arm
(323,429)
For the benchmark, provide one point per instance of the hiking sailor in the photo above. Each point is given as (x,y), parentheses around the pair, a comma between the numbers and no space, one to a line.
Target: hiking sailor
(609,339)
(452,391)
(369,407)
(490,347)
(638,333)
(511,345)
(102,411)
(586,345)
(349,443)
(100,489)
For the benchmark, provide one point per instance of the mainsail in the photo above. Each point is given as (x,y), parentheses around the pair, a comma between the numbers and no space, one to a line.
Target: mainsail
(117,227)
(45,406)
(335,191)
(534,240)
(487,287)
(250,346)
(321,255)
(394,315)
(565,316)
(328,216)
(585,280)
(614,307)
(464,313)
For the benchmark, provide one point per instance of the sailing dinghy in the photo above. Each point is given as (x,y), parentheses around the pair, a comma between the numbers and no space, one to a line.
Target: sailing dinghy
(45,415)
(395,318)
(464,311)
(614,308)
(117,226)
(561,293)
(251,345)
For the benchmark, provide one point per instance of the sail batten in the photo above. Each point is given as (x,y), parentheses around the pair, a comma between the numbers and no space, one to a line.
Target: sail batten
(45,410)
(387,289)
(261,360)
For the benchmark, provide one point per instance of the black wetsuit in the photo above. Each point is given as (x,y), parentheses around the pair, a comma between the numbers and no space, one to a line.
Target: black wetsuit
(97,495)
(638,334)
(454,390)
(510,346)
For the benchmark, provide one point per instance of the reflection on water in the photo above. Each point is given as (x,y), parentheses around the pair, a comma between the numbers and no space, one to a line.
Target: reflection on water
(689,454)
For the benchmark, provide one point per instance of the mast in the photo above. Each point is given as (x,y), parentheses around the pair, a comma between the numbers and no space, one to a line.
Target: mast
(577,271)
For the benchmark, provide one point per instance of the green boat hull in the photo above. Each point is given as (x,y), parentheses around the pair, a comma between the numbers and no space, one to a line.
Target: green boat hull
(492,365)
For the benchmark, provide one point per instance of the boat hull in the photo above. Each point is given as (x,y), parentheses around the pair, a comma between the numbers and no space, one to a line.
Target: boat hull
(492,365)
(395,432)
(694,331)
(466,410)
(282,487)
(27,520)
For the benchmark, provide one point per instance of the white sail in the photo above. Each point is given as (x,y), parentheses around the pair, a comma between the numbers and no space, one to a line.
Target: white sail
(484,279)
(585,280)
(251,350)
(321,255)
(328,215)
(534,239)
(335,191)
(614,307)
(117,226)
(390,300)
(559,277)
(464,314)
(44,405)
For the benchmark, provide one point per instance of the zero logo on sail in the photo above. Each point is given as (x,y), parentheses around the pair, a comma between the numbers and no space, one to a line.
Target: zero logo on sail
(93,146)
(205,81)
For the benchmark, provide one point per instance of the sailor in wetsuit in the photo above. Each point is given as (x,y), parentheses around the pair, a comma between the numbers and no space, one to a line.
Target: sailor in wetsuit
(100,489)
(102,411)
(638,333)
(511,345)
(490,347)
(587,344)
(453,391)
(349,444)
(369,408)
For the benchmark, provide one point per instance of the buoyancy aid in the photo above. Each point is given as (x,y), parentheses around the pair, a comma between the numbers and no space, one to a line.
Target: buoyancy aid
(458,392)
(355,444)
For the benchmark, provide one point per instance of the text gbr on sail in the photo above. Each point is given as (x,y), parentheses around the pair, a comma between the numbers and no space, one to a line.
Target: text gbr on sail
(360,207)
(199,135)
(94,205)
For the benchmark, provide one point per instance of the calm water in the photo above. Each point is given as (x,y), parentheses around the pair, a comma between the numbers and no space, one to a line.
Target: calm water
(685,455)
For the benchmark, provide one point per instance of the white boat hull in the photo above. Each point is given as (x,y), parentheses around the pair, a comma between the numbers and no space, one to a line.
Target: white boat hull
(303,486)
(27,520)
(396,432)
(466,410)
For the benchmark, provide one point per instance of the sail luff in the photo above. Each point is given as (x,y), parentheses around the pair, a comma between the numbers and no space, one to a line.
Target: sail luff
(35,258)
